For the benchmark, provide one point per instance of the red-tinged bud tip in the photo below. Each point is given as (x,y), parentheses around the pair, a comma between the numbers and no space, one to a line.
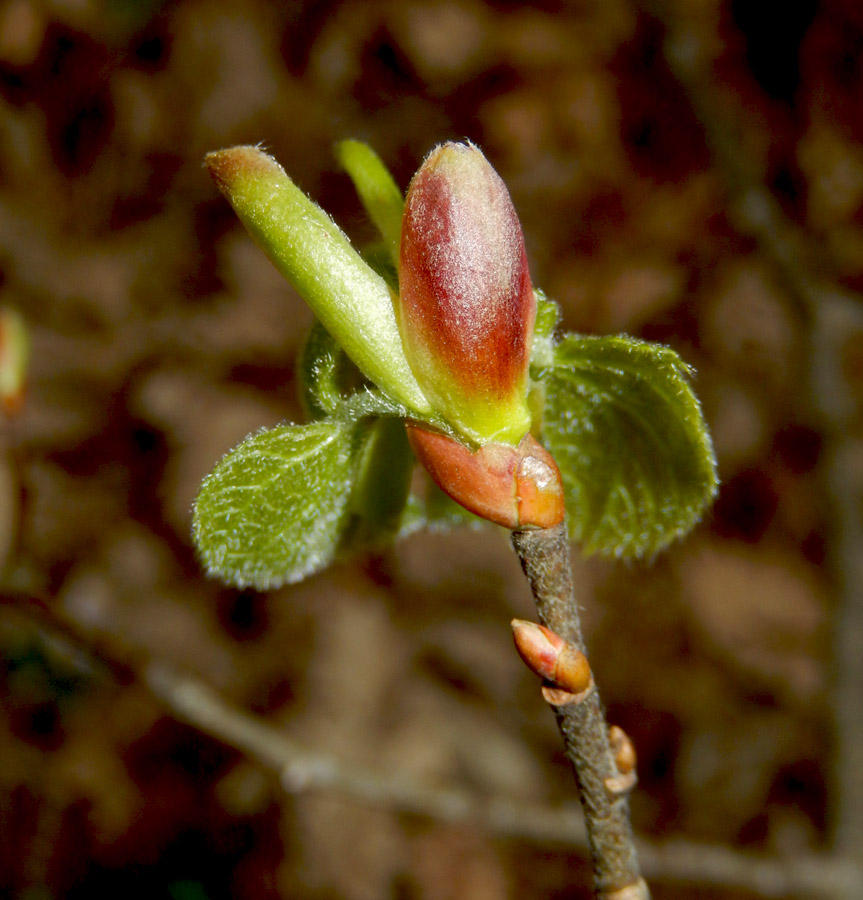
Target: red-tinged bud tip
(538,646)
(551,657)
(467,307)
(227,167)
(510,486)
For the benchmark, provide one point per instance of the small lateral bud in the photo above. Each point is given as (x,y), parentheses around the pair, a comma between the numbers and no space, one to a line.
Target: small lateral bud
(623,749)
(551,657)
(14,358)
(510,486)
(638,890)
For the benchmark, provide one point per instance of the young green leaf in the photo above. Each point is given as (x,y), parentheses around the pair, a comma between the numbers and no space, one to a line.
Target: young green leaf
(628,434)
(383,482)
(275,509)
(378,258)
(331,385)
(325,374)
(547,320)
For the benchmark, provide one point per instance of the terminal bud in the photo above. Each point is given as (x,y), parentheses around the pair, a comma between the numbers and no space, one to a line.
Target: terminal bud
(466,305)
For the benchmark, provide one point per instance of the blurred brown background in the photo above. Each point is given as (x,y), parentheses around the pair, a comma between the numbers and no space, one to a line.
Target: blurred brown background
(690,173)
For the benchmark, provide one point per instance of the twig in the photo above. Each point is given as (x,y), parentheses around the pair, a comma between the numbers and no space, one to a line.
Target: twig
(807,876)
(544,555)
(846,494)
(302,770)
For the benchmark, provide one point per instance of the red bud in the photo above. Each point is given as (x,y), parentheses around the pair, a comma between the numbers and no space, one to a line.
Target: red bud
(551,657)
(467,308)
(510,486)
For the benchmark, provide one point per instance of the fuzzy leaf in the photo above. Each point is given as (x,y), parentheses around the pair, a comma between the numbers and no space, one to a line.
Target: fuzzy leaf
(628,434)
(275,509)
(378,258)
(331,385)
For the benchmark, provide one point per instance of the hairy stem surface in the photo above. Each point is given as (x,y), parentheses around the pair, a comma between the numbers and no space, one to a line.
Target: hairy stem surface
(544,555)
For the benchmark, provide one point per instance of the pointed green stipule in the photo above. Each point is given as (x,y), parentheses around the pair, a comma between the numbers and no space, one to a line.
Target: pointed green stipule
(380,195)
(307,247)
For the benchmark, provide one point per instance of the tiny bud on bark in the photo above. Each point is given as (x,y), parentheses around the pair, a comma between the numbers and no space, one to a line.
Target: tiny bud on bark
(623,749)
(510,486)
(551,657)
(638,890)
(467,308)
(14,358)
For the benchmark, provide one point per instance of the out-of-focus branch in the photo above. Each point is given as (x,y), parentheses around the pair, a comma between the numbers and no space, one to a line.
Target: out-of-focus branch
(753,208)
(832,316)
(301,770)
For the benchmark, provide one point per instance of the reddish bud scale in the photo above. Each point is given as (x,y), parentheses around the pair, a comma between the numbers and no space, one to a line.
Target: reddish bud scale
(510,486)
(547,654)
(467,307)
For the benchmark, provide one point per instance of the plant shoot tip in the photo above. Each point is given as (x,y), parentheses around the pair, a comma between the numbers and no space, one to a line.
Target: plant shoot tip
(228,165)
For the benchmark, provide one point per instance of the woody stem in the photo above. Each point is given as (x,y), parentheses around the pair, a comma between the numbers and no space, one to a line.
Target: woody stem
(544,556)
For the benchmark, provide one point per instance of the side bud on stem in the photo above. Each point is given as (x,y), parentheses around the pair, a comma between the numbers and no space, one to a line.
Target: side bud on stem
(623,751)
(563,667)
